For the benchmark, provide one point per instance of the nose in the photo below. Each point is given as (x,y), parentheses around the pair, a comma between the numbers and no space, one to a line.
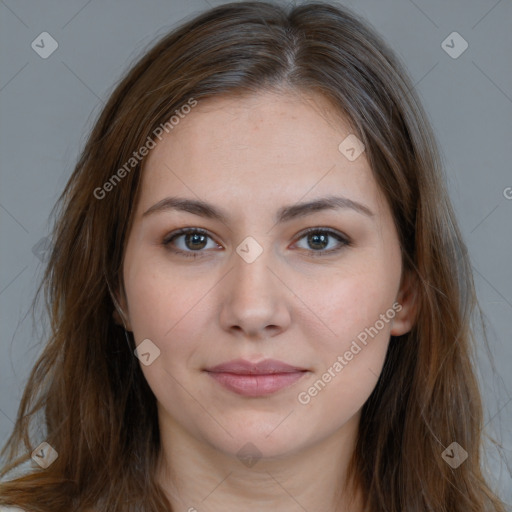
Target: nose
(255,302)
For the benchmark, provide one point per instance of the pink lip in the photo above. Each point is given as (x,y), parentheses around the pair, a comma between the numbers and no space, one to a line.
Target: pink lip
(265,367)
(255,379)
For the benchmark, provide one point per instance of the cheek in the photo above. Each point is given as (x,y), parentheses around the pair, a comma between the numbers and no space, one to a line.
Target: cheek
(173,309)
(357,314)
(166,308)
(349,302)
(159,301)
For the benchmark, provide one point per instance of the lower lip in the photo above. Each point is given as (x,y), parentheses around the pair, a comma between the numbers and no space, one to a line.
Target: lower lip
(256,385)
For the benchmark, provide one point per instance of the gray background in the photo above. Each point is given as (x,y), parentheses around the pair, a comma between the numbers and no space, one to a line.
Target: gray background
(48,105)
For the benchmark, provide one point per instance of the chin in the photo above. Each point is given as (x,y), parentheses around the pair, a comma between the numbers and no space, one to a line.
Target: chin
(257,437)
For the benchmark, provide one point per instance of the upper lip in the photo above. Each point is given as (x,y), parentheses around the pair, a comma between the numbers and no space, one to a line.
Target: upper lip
(265,367)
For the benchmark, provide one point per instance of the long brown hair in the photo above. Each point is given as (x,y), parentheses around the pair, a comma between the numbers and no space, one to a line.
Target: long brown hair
(87,388)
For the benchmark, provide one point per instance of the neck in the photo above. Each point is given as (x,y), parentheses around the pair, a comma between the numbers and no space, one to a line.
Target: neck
(198,477)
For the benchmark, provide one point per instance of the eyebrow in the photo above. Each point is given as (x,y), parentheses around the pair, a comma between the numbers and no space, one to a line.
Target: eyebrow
(284,214)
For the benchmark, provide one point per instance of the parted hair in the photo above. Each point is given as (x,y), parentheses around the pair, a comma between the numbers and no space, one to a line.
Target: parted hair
(87,392)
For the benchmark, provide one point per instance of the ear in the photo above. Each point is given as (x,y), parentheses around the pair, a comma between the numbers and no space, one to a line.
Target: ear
(120,314)
(407,299)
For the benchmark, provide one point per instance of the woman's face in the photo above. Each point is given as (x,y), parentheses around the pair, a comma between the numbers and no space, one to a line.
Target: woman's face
(252,284)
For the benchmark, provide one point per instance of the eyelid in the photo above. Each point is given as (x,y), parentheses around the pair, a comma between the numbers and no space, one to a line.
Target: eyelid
(343,239)
(323,229)
(183,231)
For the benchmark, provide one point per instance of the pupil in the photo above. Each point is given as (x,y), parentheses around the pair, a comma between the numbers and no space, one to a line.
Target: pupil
(316,241)
(196,239)
(319,240)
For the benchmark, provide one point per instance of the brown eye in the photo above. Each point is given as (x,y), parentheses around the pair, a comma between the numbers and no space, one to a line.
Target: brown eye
(195,241)
(190,242)
(323,241)
(318,240)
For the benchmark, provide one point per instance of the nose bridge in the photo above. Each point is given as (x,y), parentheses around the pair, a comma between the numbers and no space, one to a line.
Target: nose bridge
(254,301)
(251,276)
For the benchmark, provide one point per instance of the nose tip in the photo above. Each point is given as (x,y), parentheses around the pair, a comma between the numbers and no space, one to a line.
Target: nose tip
(254,303)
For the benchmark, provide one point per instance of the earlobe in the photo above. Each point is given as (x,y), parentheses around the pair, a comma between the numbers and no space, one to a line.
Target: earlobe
(407,299)
(121,321)
(120,317)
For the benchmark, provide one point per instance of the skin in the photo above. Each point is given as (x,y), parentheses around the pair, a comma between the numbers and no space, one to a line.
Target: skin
(250,156)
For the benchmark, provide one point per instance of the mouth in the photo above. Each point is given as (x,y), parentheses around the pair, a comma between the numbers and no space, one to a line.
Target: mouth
(256,379)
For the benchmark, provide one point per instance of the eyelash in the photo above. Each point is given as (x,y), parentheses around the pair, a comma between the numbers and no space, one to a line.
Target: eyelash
(342,239)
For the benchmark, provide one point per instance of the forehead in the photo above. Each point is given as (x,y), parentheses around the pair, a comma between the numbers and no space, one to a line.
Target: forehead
(290,121)
(267,144)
